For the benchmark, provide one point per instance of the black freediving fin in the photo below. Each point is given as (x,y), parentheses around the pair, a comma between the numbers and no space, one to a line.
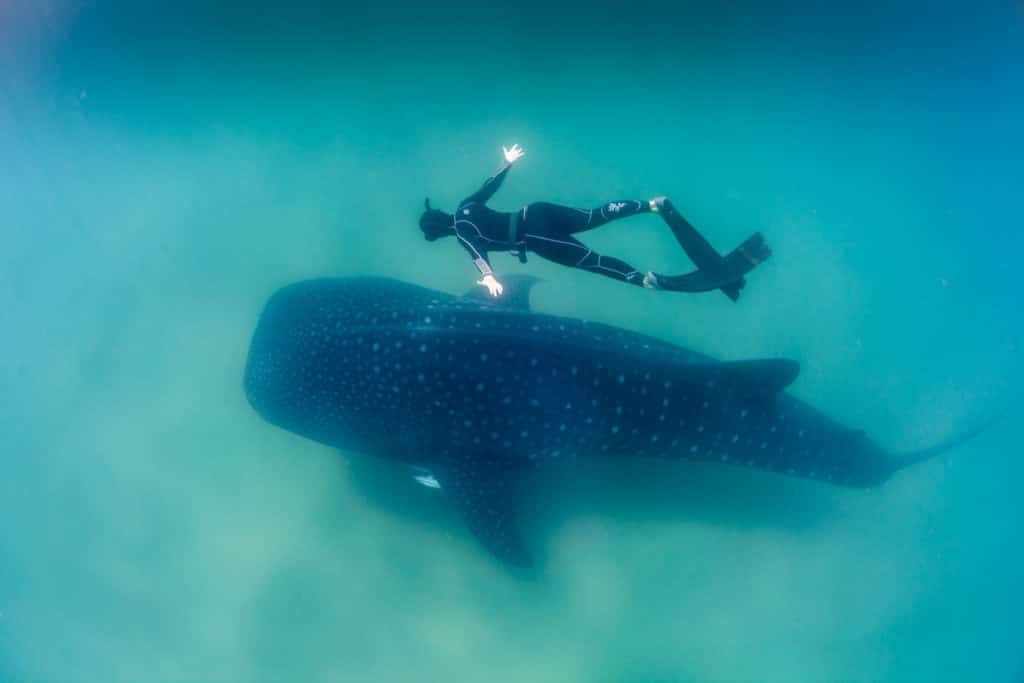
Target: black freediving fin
(516,294)
(729,277)
(484,489)
(693,243)
(702,281)
(713,270)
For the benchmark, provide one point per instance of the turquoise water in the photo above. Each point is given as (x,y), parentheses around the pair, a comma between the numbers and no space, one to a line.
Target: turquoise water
(165,169)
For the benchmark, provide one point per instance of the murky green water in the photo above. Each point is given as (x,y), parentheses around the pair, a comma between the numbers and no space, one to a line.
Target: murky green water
(163,170)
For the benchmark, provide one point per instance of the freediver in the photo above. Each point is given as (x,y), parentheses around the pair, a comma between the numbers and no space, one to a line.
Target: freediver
(547,230)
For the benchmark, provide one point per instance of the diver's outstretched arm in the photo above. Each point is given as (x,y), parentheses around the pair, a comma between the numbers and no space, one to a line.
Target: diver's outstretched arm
(491,185)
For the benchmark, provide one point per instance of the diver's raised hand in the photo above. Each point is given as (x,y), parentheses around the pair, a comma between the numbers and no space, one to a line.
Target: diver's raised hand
(492,285)
(512,154)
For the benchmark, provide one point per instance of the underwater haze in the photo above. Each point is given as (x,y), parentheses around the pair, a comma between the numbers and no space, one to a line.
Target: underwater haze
(165,167)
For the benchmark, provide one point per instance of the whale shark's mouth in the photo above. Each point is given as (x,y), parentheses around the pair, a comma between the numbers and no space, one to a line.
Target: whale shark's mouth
(263,383)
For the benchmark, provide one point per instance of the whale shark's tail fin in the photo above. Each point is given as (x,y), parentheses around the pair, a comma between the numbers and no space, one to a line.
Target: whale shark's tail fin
(907,458)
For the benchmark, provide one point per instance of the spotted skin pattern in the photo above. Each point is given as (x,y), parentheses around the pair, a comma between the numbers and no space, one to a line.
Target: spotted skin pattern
(477,393)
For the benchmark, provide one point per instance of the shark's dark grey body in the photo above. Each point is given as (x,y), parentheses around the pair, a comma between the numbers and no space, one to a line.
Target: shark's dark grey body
(477,393)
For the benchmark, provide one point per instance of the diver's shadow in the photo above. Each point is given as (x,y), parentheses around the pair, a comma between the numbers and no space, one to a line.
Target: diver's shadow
(626,490)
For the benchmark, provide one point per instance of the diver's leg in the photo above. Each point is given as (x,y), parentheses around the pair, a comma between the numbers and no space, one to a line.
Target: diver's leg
(588,219)
(547,225)
(569,220)
(547,218)
(569,251)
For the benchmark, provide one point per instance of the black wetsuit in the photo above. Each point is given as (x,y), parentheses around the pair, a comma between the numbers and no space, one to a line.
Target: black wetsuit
(542,228)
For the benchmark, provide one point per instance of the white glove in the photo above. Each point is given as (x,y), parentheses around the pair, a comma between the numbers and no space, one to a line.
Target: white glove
(512,154)
(491,284)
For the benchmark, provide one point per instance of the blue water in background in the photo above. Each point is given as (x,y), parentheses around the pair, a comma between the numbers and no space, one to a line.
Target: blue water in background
(164,168)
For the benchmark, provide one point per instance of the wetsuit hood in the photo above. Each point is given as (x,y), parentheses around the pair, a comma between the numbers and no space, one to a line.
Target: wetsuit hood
(436,223)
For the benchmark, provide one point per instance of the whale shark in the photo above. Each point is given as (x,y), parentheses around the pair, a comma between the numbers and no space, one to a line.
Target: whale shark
(473,393)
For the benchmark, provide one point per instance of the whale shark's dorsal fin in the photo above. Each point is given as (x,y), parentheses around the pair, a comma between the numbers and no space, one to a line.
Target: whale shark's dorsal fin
(752,378)
(516,294)
(484,489)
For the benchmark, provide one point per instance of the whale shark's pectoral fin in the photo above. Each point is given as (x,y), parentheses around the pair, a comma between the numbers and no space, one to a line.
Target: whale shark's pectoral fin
(485,492)
(516,294)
